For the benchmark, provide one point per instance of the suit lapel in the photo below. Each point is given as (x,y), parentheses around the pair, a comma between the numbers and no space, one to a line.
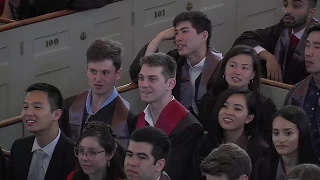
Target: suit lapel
(27,154)
(210,65)
(164,176)
(57,159)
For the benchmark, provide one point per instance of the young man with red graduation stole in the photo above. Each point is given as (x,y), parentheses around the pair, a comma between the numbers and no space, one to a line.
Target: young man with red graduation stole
(156,81)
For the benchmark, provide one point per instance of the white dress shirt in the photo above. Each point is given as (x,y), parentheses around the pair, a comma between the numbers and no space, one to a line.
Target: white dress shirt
(148,116)
(48,149)
(194,73)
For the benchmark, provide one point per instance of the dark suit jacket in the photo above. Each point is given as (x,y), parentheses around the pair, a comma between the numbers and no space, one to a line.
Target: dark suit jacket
(61,164)
(3,166)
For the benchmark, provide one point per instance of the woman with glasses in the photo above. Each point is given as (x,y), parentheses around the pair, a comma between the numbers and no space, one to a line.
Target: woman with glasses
(100,156)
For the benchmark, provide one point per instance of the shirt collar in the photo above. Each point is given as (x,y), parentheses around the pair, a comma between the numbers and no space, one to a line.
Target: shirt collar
(199,65)
(147,114)
(110,99)
(48,149)
(299,34)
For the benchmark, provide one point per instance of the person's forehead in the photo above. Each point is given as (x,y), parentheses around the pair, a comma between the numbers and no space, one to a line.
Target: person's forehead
(37,96)
(140,147)
(151,70)
(105,64)
(183,24)
(212,177)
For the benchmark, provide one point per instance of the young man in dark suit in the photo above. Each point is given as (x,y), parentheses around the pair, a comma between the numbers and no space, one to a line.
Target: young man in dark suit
(48,154)
(196,61)
(282,45)
(147,154)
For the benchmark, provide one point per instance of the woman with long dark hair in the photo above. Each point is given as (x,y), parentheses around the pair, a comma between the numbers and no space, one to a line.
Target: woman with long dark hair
(100,156)
(234,121)
(291,145)
(239,69)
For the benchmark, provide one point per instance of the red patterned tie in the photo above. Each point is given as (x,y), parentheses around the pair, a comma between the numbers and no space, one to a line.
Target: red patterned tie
(294,41)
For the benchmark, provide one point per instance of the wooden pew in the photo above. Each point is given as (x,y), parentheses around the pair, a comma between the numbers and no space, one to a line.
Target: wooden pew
(275,90)
(5,21)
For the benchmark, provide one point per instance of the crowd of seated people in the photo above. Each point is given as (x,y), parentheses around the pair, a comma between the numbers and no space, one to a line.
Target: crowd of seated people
(188,91)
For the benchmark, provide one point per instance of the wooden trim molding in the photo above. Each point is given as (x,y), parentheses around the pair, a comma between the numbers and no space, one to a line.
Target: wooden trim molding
(127,87)
(10,121)
(33,20)
(276,84)
(5,20)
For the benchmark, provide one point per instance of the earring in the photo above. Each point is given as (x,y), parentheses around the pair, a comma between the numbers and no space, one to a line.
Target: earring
(108,164)
(223,76)
(251,81)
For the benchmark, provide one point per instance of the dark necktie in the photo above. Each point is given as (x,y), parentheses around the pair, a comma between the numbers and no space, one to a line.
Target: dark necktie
(294,41)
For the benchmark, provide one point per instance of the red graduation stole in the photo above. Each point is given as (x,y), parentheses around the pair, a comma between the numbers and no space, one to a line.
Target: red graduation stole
(169,118)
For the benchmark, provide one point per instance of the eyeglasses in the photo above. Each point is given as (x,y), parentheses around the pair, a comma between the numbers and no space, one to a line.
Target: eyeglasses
(91,155)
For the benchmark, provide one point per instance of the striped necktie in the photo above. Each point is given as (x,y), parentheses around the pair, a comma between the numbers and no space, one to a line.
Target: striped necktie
(36,171)
(294,41)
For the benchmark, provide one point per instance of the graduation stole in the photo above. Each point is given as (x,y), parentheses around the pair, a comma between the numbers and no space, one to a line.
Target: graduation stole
(299,94)
(119,119)
(210,65)
(282,47)
(169,118)
(164,176)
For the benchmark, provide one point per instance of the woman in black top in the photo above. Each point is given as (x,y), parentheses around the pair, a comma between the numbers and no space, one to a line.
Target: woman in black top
(234,121)
(291,145)
(239,69)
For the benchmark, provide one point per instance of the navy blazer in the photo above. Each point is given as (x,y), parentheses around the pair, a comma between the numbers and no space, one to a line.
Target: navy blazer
(61,164)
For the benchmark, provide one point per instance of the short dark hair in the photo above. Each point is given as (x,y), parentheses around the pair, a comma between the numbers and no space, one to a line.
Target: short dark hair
(229,160)
(198,20)
(297,116)
(159,140)
(315,27)
(305,172)
(100,50)
(312,3)
(55,98)
(168,64)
